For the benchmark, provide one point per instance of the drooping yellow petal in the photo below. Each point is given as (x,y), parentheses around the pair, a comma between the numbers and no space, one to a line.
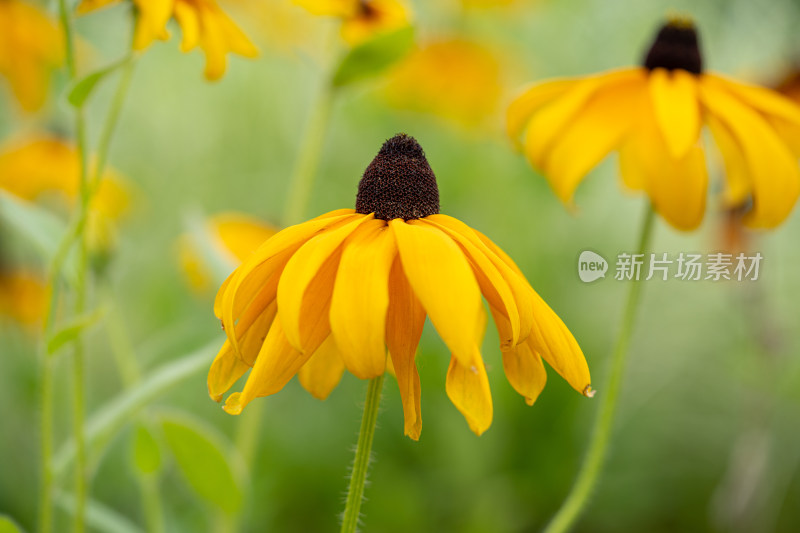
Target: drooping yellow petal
(443,281)
(361,298)
(678,188)
(737,178)
(551,339)
(323,371)
(226,369)
(189,21)
(502,262)
(404,322)
(763,100)
(548,124)
(212,42)
(772,166)
(592,134)
(275,365)
(525,371)
(302,268)
(151,23)
(468,389)
(491,282)
(677,110)
(531,100)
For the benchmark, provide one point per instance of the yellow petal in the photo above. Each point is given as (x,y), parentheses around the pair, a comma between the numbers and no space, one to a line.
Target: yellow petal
(525,371)
(302,268)
(761,99)
(212,41)
(737,179)
(323,371)
(361,298)
(551,339)
(546,125)
(678,188)
(275,365)
(677,111)
(772,166)
(468,389)
(506,267)
(404,322)
(592,134)
(226,369)
(189,21)
(491,282)
(530,101)
(87,6)
(443,281)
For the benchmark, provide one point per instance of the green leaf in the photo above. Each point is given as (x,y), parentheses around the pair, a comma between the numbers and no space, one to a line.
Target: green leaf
(146,452)
(374,56)
(83,88)
(40,227)
(98,516)
(107,421)
(203,459)
(73,329)
(7,525)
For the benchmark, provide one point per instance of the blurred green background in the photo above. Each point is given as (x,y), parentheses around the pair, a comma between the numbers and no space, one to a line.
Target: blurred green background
(707,437)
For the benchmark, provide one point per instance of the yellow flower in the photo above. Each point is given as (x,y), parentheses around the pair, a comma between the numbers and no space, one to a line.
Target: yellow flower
(30,48)
(22,297)
(361,19)
(653,116)
(453,78)
(235,235)
(202,23)
(337,291)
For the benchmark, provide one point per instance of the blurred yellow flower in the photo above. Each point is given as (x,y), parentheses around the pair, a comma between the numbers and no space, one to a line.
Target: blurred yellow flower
(653,116)
(22,296)
(30,48)
(337,291)
(361,19)
(43,166)
(236,237)
(453,78)
(202,23)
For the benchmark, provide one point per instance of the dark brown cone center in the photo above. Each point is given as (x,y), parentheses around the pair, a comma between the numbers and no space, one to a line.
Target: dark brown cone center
(399,182)
(677,46)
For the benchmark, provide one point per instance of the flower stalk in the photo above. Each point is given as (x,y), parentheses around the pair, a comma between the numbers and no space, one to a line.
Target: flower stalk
(358,477)
(592,466)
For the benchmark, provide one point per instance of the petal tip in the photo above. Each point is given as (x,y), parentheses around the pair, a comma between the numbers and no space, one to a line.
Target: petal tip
(233,405)
(588,391)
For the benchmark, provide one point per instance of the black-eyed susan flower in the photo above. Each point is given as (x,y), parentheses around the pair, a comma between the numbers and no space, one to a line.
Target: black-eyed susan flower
(22,296)
(653,116)
(234,236)
(361,19)
(203,23)
(30,48)
(453,78)
(340,290)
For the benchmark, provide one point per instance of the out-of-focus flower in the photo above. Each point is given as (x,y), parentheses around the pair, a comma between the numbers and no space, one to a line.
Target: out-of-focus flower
(337,291)
(452,78)
(790,88)
(653,116)
(202,24)
(361,19)
(235,236)
(22,296)
(30,48)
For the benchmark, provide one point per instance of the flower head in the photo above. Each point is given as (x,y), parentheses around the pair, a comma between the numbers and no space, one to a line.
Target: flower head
(30,48)
(653,116)
(202,22)
(453,78)
(361,19)
(337,291)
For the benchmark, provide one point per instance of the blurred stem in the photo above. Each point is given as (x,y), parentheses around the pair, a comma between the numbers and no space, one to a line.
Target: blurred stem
(592,466)
(305,168)
(358,478)
(151,502)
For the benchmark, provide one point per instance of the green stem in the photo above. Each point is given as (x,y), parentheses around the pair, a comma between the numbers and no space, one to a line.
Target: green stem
(592,466)
(308,159)
(46,489)
(358,478)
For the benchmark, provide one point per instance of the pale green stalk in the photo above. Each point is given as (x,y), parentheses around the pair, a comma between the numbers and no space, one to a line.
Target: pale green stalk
(592,466)
(358,477)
